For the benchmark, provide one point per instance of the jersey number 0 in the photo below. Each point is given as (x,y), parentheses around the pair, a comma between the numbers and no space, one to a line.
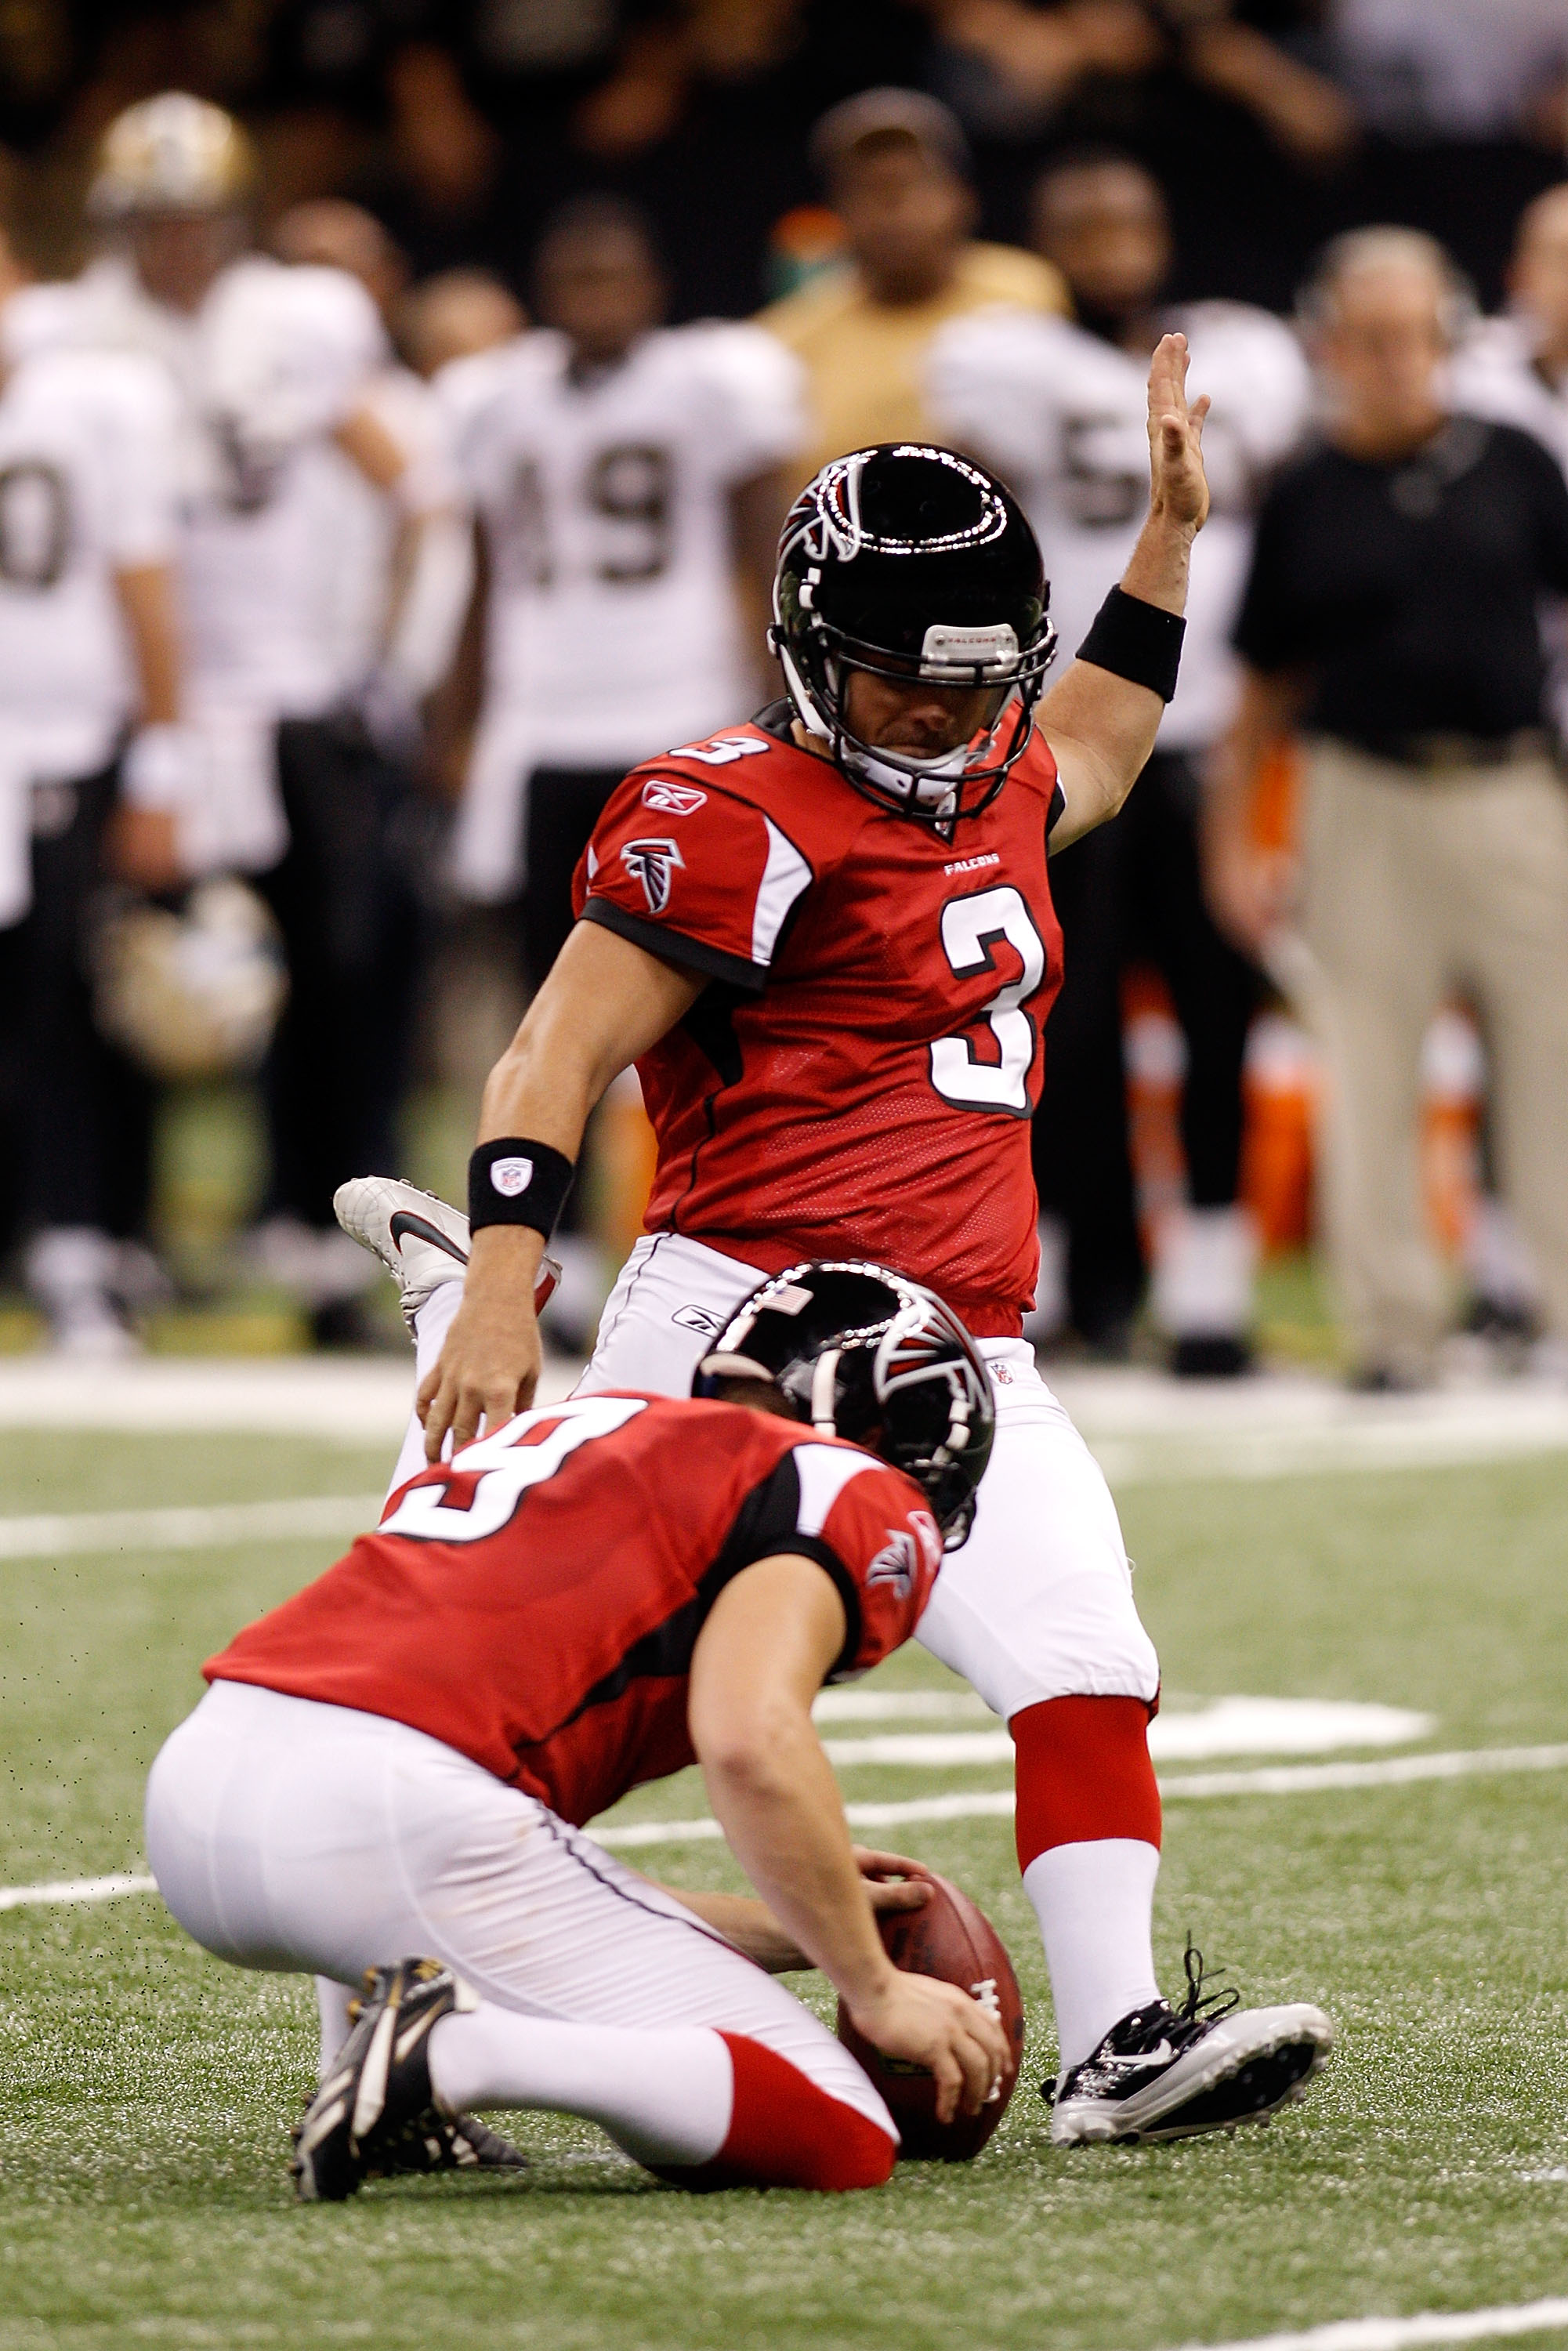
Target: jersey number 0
(970,927)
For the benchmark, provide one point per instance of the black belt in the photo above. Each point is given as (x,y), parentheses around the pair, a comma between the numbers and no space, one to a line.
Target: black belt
(1455,753)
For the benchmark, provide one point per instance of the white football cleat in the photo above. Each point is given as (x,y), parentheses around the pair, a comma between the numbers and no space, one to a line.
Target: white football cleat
(421,1241)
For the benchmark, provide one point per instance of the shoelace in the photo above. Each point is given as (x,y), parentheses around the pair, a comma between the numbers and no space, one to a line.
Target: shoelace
(1197,2006)
(1209,2006)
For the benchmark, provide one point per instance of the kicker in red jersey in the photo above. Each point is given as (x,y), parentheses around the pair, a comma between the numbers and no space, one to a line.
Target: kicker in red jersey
(535,1603)
(858,1077)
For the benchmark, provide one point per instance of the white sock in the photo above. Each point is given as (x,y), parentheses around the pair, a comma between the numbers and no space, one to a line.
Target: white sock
(665,2096)
(1095,1905)
(332,2007)
(431,1325)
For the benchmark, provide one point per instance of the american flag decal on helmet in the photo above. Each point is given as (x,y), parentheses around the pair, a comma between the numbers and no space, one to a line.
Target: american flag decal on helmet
(653,863)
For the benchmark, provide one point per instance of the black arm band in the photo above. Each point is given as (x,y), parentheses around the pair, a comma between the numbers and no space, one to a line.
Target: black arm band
(516,1182)
(1137,642)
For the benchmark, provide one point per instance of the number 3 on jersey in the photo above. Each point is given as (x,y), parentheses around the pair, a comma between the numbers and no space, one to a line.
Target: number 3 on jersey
(970,927)
(502,1469)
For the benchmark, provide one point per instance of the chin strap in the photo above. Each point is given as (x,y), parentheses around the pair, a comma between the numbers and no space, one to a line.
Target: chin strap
(824,1388)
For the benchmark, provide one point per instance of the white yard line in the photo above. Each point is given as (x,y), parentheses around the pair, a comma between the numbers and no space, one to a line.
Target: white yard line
(1282,1779)
(990,1804)
(76,1889)
(195,1529)
(1225,1726)
(1406,2334)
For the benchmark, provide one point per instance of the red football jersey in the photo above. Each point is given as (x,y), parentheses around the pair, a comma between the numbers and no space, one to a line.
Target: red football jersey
(858,1079)
(535,1602)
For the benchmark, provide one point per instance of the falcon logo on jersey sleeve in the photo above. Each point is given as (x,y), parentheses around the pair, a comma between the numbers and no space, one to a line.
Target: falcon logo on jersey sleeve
(673,800)
(653,863)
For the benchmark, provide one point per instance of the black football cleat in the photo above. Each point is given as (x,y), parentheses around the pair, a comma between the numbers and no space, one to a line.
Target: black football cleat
(1164,2072)
(375,2114)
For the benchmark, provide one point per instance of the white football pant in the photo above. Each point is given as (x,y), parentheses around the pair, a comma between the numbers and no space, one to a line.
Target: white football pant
(292,1836)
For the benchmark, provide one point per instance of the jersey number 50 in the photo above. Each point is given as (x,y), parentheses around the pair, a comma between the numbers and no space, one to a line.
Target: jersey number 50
(970,928)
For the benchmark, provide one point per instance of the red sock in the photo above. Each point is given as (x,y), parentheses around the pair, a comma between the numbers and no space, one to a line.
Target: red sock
(1084,1772)
(784,2132)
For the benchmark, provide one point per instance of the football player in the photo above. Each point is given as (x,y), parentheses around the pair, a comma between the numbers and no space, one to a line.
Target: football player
(400,572)
(274,366)
(626,475)
(1058,409)
(827,940)
(400,1758)
(92,752)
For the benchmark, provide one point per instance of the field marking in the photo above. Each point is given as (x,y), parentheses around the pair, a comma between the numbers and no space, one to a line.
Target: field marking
(199,1528)
(1403,2334)
(1225,1726)
(76,1889)
(988,1804)
(1282,1779)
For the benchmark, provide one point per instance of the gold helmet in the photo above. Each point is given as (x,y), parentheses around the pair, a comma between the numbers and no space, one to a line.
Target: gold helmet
(172,154)
(193,994)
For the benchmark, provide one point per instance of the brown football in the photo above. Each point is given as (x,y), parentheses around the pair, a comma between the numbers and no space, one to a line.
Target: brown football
(951,1939)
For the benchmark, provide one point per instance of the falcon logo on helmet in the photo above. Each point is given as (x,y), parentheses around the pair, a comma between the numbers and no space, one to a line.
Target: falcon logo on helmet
(861,1353)
(653,863)
(910,561)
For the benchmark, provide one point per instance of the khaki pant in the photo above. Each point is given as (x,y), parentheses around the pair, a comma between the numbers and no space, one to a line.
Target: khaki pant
(1413,885)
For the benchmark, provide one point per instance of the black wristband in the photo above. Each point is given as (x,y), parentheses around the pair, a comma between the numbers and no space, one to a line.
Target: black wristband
(516,1182)
(1137,642)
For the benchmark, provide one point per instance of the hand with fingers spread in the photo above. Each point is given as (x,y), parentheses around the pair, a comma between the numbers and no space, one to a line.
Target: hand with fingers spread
(489,1367)
(1178,487)
(923,2022)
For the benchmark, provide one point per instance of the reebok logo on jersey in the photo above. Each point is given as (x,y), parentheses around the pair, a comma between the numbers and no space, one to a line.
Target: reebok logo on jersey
(654,865)
(673,800)
(971,864)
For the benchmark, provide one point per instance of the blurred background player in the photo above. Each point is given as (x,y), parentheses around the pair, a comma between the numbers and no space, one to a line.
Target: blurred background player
(453,316)
(1060,410)
(274,366)
(630,479)
(895,168)
(92,752)
(1392,612)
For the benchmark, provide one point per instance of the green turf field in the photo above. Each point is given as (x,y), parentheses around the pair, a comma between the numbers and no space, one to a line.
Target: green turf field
(142,2195)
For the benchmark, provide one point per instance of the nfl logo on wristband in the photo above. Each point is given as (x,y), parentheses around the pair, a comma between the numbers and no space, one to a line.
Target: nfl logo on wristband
(517,1180)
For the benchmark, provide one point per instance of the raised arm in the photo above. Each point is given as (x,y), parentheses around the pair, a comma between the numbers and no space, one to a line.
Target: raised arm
(771,1636)
(604,1003)
(1101,727)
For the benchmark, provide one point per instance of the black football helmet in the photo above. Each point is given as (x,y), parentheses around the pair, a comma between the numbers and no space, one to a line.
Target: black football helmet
(860,1353)
(913,561)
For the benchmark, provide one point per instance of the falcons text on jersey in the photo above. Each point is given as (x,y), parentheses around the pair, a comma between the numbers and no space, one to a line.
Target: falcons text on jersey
(535,1603)
(858,1076)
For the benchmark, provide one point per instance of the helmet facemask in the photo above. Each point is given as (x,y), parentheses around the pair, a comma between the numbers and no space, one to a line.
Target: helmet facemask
(856,1351)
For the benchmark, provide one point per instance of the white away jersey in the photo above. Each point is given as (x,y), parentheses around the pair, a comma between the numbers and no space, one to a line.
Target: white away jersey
(1062,416)
(87,490)
(272,362)
(612,622)
(355,527)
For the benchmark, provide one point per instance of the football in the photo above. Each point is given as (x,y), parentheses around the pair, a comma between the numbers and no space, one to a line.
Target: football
(953,1939)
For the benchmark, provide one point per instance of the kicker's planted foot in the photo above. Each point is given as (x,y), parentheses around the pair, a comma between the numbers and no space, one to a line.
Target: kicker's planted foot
(1164,2073)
